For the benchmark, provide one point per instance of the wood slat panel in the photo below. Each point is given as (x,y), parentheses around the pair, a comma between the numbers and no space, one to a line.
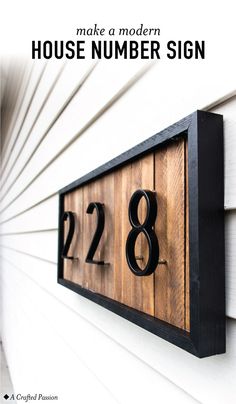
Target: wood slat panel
(187,274)
(72,268)
(99,278)
(136,292)
(93,277)
(114,280)
(170,227)
(165,293)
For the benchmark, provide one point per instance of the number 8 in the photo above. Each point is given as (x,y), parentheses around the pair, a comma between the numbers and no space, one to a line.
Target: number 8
(146,228)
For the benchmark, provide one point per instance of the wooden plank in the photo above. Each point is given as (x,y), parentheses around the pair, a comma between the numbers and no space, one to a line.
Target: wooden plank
(91,274)
(107,240)
(170,227)
(73,268)
(98,278)
(134,291)
(114,280)
(187,278)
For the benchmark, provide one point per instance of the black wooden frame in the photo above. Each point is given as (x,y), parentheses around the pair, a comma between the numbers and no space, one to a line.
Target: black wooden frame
(204,132)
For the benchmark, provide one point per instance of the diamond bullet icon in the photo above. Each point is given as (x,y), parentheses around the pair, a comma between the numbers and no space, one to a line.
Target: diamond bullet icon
(6,396)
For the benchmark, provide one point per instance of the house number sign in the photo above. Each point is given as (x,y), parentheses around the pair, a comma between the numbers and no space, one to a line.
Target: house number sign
(143,235)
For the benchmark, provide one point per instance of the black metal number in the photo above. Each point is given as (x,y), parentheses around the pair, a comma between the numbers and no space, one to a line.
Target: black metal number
(68,216)
(98,233)
(146,228)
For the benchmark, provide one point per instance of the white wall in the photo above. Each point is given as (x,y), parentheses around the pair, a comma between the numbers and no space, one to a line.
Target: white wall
(72,119)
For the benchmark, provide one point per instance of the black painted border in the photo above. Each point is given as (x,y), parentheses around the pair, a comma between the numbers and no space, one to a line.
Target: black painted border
(204,131)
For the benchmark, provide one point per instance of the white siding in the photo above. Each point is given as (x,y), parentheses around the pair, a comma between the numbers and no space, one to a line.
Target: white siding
(72,119)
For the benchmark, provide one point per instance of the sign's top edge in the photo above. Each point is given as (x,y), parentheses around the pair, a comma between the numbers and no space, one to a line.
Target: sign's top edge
(148,145)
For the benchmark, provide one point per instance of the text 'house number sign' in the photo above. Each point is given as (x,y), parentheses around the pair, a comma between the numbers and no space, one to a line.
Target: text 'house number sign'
(143,235)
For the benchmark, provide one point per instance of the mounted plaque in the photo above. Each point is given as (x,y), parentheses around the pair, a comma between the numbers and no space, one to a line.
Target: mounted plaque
(143,235)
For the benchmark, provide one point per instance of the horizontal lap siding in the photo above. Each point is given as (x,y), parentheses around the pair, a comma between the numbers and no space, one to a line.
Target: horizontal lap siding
(211,379)
(40,217)
(109,109)
(59,87)
(32,87)
(50,338)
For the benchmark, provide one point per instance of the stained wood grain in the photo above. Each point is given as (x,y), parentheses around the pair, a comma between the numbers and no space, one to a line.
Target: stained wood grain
(97,278)
(170,227)
(73,269)
(165,293)
(187,277)
(136,292)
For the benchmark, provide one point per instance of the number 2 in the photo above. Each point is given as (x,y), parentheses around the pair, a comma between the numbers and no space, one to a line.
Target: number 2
(68,215)
(98,233)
